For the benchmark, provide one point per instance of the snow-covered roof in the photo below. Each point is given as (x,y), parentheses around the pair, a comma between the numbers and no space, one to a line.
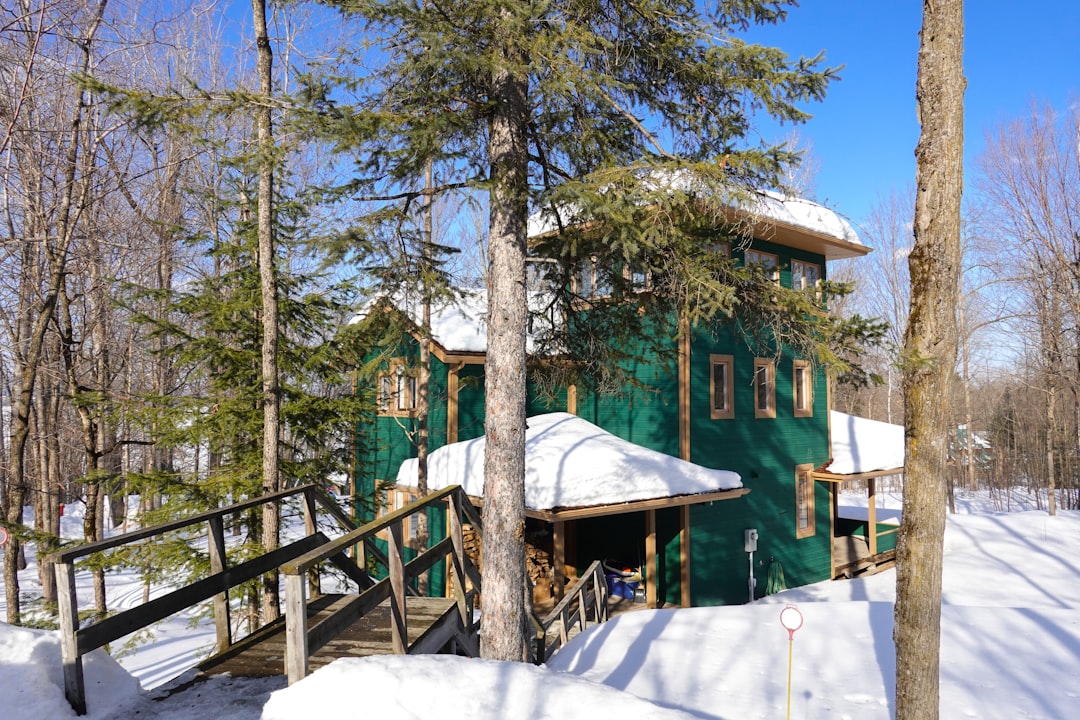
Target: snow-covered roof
(860,445)
(571,463)
(767,205)
(460,325)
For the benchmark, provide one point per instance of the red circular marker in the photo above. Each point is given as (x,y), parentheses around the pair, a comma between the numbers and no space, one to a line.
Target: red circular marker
(791,619)
(3,537)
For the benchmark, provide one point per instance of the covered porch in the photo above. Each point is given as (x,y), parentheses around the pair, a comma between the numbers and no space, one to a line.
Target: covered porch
(864,451)
(580,479)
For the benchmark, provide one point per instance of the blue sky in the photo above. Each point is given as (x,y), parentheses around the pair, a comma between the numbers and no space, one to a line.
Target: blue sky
(864,133)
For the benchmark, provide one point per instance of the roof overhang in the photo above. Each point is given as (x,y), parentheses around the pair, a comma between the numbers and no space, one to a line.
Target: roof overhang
(581,513)
(801,238)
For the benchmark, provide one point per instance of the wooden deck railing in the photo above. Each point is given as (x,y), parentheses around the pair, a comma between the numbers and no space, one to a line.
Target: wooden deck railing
(587,596)
(76,641)
(301,640)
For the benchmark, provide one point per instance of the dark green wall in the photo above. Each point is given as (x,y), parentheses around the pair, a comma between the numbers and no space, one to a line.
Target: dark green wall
(763,451)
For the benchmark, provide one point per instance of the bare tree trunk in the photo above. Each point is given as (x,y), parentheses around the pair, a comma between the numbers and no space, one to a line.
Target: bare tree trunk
(56,250)
(504,462)
(930,349)
(422,402)
(271,517)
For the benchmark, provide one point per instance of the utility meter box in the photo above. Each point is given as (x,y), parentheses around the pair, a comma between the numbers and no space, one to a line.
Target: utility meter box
(750,540)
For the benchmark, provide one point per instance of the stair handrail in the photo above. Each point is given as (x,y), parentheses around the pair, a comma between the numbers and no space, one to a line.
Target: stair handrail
(297,633)
(588,592)
(75,642)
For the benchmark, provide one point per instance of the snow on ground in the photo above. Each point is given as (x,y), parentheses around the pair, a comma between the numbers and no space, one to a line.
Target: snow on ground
(1010,649)
(569,462)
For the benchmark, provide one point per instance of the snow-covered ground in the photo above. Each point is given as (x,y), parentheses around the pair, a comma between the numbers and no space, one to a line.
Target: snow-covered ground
(1010,649)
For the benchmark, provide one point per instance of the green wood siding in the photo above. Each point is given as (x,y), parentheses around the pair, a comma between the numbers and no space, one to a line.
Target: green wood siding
(765,453)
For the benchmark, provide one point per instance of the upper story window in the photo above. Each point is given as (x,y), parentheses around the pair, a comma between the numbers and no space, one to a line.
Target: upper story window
(805,276)
(721,387)
(589,280)
(802,383)
(769,263)
(397,390)
(764,388)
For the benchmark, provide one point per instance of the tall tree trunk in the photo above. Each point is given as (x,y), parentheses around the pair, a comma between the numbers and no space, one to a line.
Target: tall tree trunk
(504,384)
(423,402)
(56,250)
(930,352)
(271,517)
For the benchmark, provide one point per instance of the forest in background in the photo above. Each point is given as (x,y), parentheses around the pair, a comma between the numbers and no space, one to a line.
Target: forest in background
(129,290)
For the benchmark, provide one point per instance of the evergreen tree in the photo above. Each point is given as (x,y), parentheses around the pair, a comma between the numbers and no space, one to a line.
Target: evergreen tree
(596,109)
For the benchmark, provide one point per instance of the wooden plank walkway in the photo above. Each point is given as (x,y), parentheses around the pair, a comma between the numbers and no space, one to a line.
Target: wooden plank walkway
(262,654)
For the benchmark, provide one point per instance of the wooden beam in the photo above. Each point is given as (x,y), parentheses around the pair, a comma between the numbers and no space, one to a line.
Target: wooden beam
(871,514)
(571,399)
(452,388)
(635,506)
(651,595)
(684,388)
(74,553)
(216,546)
(684,556)
(558,560)
(834,477)
(296,638)
(68,606)
(399,631)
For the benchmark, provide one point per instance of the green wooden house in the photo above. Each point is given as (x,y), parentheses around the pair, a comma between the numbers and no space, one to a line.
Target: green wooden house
(711,402)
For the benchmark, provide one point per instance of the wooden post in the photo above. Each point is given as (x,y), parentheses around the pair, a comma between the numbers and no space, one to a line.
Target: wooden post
(650,559)
(398,623)
(684,556)
(310,516)
(457,537)
(68,606)
(296,639)
(558,561)
(871,515)
(216,546)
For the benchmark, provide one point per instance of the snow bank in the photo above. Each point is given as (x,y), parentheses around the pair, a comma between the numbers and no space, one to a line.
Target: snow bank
(444,686)
(32,681)
(569,462)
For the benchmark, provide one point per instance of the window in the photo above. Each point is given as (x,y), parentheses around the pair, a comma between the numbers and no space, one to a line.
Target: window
(805,522)
(805,276)
(802,384)
(769,263)
(764,388)
(590,280)
(384,393)
(721,386)
(397,390)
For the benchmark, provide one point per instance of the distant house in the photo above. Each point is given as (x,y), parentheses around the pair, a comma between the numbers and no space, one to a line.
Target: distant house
(714,404)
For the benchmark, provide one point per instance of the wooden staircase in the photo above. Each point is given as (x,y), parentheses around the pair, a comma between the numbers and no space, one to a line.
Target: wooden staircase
(383,616)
